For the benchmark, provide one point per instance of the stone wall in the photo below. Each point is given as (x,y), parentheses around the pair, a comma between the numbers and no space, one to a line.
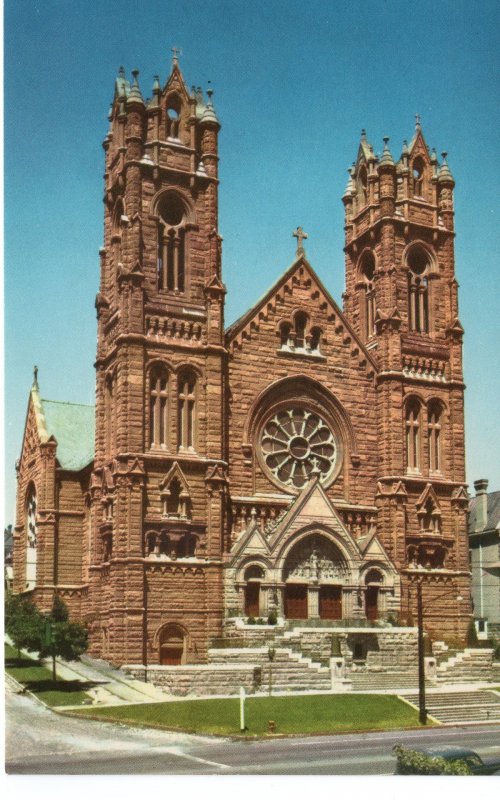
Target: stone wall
(202,679)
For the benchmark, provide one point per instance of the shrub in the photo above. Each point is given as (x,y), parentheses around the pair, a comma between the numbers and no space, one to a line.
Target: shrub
(272,618)
(259,621)
(472,640)
(251,621)
(411,762)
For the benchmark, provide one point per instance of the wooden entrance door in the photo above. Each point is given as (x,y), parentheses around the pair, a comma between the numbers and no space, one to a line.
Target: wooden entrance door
(252,598)
(372,603)
(172,646)
(330,602)
(296,601)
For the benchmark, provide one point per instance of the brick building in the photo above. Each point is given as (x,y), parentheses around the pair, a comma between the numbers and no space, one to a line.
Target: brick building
(307,460)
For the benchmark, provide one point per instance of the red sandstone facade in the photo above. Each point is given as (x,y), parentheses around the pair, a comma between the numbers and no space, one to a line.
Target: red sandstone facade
(308,460)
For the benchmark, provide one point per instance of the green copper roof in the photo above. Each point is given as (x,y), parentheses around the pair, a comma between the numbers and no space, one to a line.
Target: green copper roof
(73,427)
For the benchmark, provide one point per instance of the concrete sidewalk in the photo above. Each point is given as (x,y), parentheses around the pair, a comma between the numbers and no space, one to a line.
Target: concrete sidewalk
(112,686)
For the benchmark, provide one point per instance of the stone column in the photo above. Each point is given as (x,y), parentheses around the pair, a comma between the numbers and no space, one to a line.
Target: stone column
(313,602)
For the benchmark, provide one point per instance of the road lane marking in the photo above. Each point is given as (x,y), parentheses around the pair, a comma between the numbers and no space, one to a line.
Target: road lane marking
(177,752)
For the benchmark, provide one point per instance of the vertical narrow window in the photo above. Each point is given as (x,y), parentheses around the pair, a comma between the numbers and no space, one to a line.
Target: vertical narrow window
(418,262)
(171,244)
(434,437)
(413,436)
(173,119)
(368,273)
(31,539)
(109,413)
(418,177)
(158,412)
(362,187)
(300,329)
(285,329)
(315,339)
(187,409)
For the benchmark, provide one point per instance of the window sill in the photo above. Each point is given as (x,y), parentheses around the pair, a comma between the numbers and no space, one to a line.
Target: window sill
(289,353)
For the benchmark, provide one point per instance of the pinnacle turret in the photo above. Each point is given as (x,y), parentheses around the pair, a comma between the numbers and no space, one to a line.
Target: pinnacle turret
(387,159)
(134,94)
(445,175)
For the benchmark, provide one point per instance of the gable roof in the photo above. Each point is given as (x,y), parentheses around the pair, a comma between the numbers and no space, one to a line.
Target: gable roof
(493,513)
(73,427)
(300,262)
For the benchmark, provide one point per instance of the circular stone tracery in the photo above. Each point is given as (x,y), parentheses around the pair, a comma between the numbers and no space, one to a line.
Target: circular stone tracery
(295,442)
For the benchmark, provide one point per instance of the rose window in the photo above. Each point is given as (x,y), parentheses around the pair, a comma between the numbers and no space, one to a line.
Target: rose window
(295,443)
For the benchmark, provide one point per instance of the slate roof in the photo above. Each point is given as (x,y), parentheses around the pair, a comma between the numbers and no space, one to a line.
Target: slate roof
(493,520)
(73,427)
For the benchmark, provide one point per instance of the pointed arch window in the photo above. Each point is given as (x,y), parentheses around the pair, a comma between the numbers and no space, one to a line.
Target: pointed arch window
(301,321)
(362,187)
(187,411)
(109,414)
(285,330)
(173,121)
(434,414)
(419,263)
(413,438)
(418,172)
(171,244)
(158,408)
(31,538)
(368,273)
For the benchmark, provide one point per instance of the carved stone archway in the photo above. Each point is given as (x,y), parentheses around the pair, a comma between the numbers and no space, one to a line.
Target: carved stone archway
(314,572)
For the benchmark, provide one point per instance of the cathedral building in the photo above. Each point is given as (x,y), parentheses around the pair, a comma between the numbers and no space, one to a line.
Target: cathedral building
(307,461)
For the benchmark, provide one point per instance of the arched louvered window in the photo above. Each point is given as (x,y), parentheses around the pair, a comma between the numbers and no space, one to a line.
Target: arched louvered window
(187,411)
(418,172)
(419,263)
(434,437)
(171,244)
(413,436)
(158,407)
(368,273)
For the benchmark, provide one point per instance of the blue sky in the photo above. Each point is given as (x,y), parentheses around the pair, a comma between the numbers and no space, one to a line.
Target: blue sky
(294,84)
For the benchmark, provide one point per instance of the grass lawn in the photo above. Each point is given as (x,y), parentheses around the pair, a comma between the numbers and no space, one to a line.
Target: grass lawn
(302,714)
(38,679)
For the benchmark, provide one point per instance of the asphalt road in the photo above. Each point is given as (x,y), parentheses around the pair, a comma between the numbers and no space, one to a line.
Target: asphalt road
(41,742)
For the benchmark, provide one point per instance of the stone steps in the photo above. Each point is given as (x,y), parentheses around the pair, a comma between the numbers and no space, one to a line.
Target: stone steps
(461,706)
(369,681)
(290,670)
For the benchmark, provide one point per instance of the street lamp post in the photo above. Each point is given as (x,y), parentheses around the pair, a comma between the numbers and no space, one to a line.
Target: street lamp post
(422,711)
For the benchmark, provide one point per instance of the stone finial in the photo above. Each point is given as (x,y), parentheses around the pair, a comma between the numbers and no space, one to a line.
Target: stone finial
(176,52)
(386,159)
(350,188)
(35,378)
(300,235)
(418,122)
(315,468)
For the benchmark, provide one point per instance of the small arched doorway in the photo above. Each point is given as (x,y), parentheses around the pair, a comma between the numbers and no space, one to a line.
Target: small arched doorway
(253,578)
(172,645)
(373,581)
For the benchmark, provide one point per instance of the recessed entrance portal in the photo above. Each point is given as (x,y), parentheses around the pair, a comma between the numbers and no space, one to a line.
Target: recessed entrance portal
(172,641)
(372,603)
(330,602)
(296,601)
(252,599)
